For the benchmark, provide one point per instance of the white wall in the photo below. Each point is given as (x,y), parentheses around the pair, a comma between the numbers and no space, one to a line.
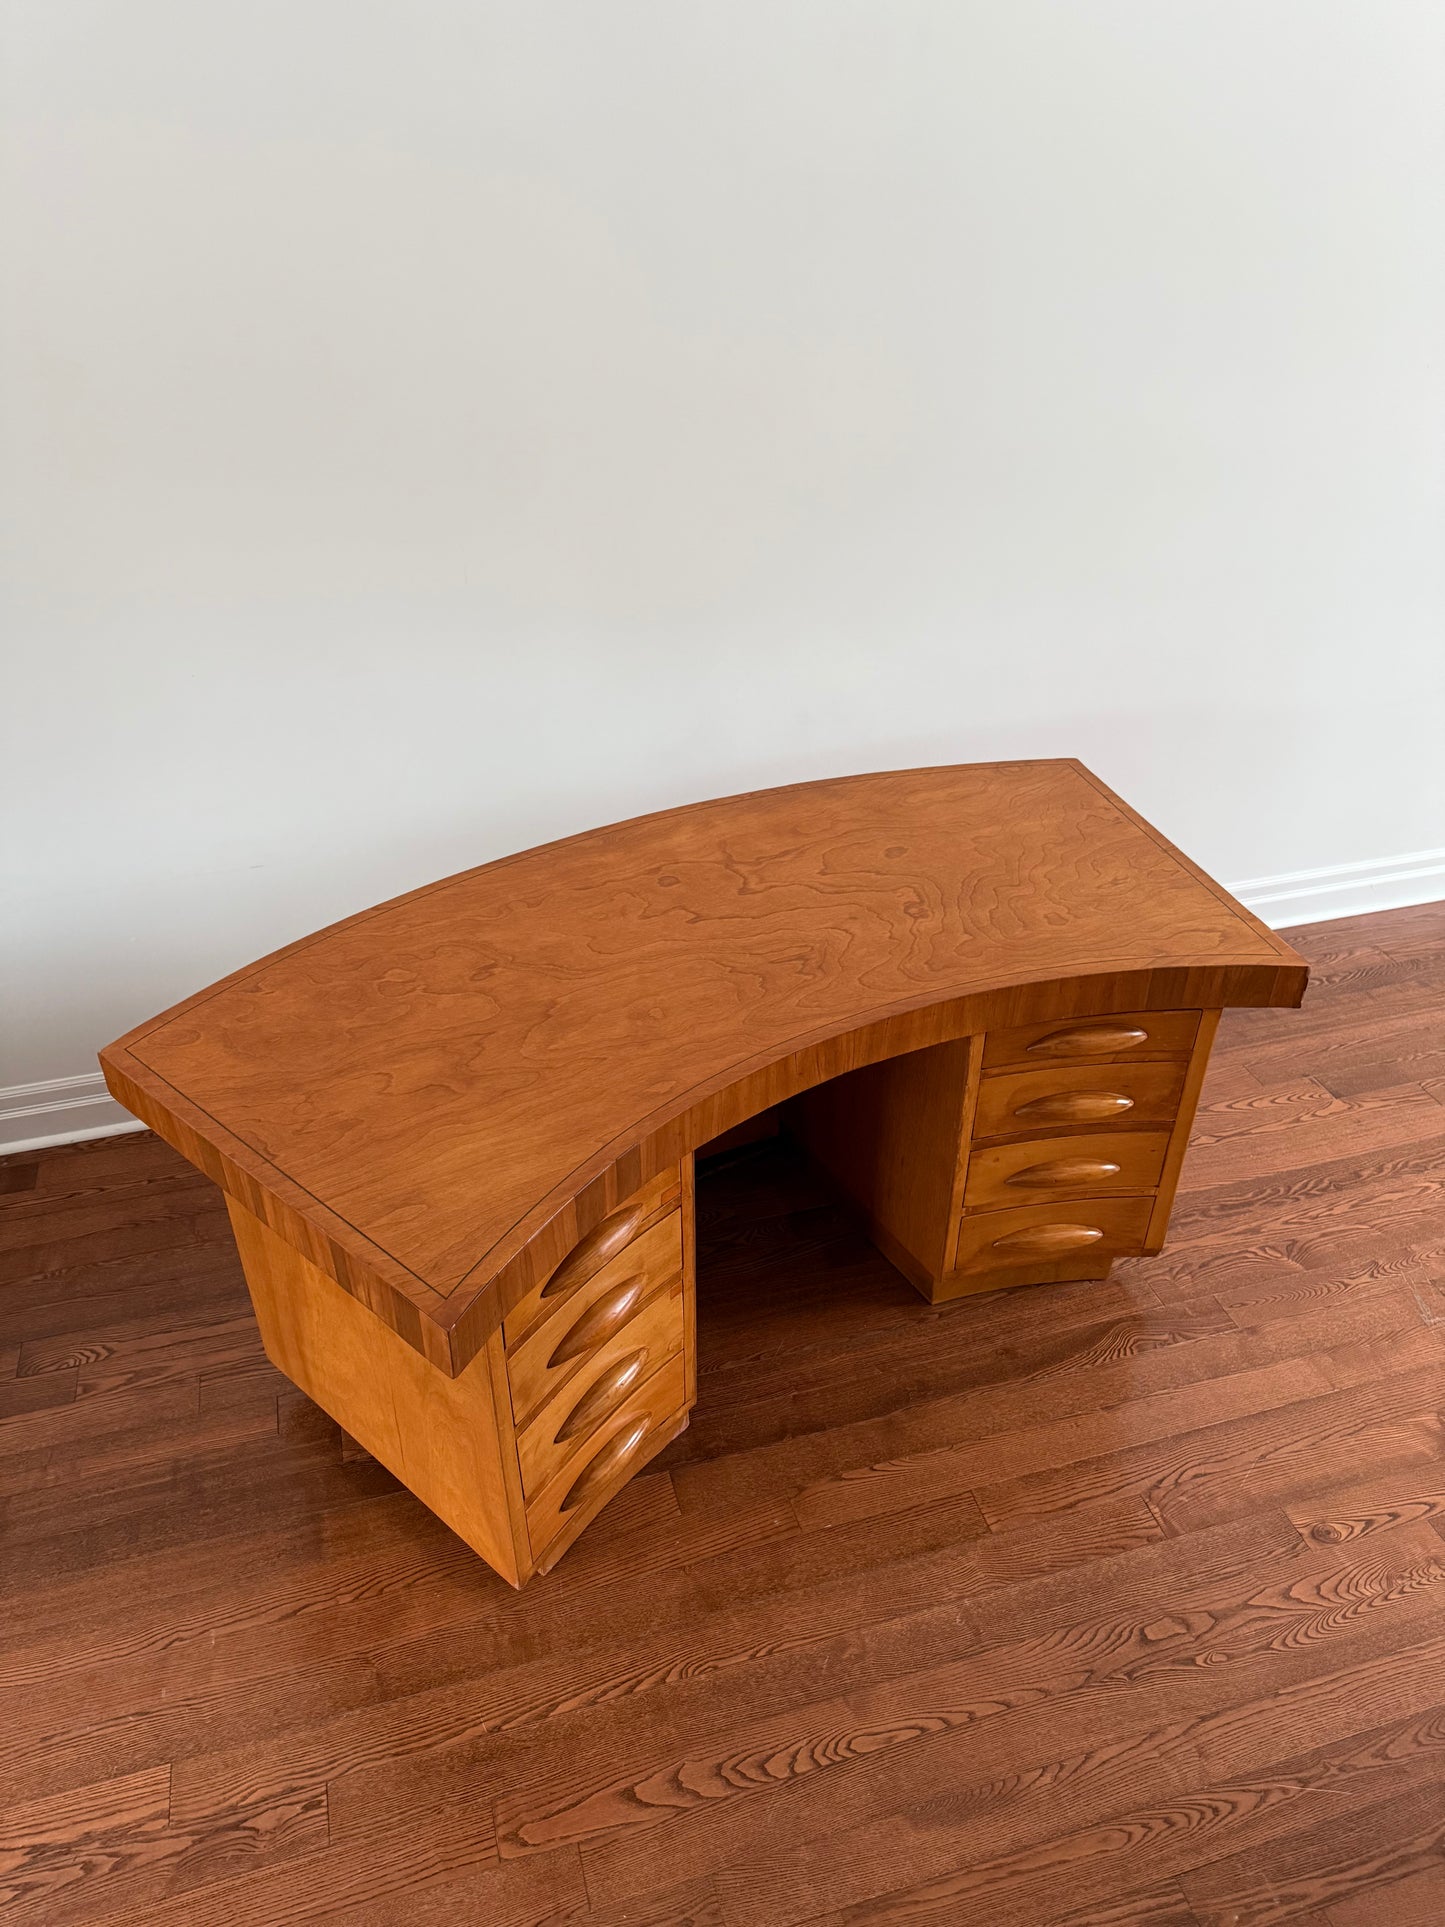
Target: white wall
(437,425)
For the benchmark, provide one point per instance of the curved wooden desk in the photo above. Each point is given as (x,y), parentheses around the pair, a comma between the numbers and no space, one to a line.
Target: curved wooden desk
(455,1133)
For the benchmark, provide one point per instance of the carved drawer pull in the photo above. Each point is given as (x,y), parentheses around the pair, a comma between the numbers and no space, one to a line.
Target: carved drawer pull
(1048,1240)
(607,1464)
(602,1397)
(602,1242)
(1067,1171)
(598,1322)
(1076,1107)
(1096,1040)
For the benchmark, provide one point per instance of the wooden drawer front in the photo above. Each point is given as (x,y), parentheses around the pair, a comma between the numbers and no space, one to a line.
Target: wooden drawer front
(593,1476)
(597,1248)
(1050,1170)
(1091,1040)
(1019,1103)
(589,1400)
(1044,1242)
(591,1317)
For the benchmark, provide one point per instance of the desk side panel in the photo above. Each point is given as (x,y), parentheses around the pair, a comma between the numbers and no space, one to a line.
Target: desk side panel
(894,1136)
(406,1304)
(446,1439)
(1183,1126)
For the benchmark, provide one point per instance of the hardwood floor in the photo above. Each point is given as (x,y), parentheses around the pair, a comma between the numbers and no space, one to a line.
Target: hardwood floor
(1113,1605)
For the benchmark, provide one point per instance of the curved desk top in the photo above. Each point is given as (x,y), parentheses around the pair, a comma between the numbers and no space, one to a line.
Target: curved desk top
(433,1099)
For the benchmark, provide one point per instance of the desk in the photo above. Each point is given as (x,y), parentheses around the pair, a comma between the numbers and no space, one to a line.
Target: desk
(456,1133)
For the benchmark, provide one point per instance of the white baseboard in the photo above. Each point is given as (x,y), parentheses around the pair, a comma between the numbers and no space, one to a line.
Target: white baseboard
(60,1110)
(65,1110)
(1344,889)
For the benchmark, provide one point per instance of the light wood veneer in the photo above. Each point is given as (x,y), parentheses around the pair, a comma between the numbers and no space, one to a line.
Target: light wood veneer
(1020,1103)
(1049,1169)
(1126,1038)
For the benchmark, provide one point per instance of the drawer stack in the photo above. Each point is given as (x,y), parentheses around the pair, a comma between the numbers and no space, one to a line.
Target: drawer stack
(596,1365)
(1071,1131)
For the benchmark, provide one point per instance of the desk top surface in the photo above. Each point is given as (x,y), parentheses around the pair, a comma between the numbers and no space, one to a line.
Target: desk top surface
(437,1072)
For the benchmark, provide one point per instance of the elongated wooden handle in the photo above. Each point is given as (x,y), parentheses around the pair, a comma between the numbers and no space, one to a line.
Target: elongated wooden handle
(598,1322)
(1047,1240)
(602,1243)
(603,1396)
(1076,1107)
(607,1464)
(1091,1040)
(1067,1171)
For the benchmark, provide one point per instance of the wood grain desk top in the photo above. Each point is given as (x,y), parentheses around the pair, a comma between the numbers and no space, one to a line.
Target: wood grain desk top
(441,1091)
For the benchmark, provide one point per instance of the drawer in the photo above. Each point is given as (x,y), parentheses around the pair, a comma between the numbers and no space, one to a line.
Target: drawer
(1084,1040)
(596,1474)
(1043,1170)
(590,1317)
(1027,1102)
(595,1249)
(1041,1243)
(589,1399)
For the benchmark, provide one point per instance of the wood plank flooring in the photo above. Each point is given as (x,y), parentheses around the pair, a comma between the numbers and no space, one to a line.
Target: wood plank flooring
(1115,1605)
